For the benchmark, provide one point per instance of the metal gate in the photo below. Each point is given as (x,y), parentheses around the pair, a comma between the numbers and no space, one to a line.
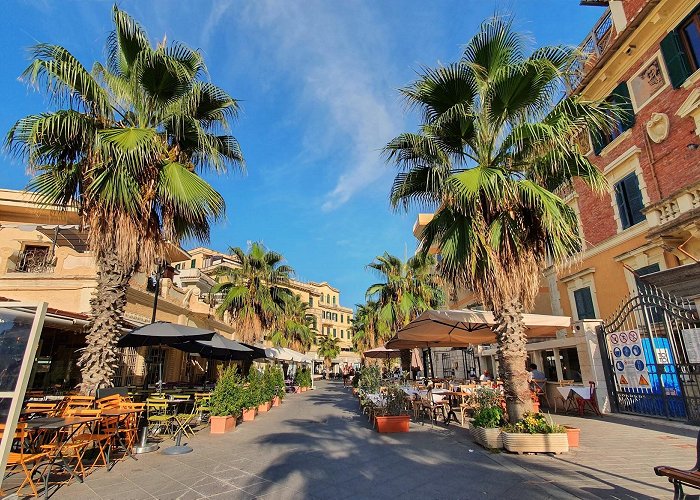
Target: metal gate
(652,348)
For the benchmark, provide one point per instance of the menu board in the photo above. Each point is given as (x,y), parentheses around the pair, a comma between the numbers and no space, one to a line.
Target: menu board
(20,327)
(628,359)
(691,340)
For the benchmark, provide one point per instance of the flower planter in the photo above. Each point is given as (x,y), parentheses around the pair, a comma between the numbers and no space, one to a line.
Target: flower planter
(264,407)
(297,389)
(304,389)
(574,435)
(249,414)
(276,401)
(393,424)
(220,425)
(536,443)
(490,438)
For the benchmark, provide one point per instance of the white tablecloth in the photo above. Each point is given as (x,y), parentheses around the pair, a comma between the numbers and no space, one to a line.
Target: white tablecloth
(584,392)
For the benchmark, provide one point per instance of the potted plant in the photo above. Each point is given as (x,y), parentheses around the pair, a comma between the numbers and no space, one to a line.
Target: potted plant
(256,382)
(302,379)
(535,434)
(535,402)
(393,417)
(225,402)
(486,427)
(278,386)
(573,434)
(356,383)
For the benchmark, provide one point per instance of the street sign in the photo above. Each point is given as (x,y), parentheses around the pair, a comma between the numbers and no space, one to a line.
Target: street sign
(628,357)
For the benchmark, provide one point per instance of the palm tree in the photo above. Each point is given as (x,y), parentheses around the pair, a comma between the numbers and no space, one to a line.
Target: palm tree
(365,327)
(253,293)
(496,145)
(328,349)
(124,147)
(296,327)
(407,289)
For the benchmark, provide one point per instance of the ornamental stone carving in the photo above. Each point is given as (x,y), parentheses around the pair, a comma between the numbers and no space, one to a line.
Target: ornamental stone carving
(658,127)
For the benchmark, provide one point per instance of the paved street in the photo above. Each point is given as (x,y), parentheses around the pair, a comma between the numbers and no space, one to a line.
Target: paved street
(317,445)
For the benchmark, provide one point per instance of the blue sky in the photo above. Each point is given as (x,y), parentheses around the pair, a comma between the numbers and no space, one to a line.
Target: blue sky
(317,82)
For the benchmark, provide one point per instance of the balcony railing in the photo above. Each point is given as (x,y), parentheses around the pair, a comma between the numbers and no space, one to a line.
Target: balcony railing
(35,260)
(592,49)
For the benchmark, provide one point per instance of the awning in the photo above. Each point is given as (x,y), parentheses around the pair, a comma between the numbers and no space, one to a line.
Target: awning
(681,281)
(286,354)
(382,353)
(461,328)
(66,236)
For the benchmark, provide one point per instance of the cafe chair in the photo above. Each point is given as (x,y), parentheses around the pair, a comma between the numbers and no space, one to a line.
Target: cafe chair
(20,459)
(101,438)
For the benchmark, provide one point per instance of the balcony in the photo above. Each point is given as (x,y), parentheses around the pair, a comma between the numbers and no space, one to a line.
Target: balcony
(36,260)
(592,49)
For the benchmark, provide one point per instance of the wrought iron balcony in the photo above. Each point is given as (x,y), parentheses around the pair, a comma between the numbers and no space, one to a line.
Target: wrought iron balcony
(592,49)
(35,260)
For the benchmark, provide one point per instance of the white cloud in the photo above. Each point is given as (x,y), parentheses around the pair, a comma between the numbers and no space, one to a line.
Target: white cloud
(339,53)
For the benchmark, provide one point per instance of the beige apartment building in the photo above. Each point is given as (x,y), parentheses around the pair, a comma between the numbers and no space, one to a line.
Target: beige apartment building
(44,257)
(331,318)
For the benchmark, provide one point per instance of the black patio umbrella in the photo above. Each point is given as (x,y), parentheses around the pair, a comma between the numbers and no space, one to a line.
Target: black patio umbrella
(163,333)
(258,352)
(219,347)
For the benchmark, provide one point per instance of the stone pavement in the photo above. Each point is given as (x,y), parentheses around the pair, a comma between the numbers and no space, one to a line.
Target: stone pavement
(317,445)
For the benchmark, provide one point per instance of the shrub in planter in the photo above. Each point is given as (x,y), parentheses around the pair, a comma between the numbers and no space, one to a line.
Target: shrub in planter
(393,417)
(486,427)
(535,434)
(225,402)
(279,388)
(302,378)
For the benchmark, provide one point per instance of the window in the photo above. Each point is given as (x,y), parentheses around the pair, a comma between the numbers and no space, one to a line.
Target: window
(681,49)
(328,298)
(341,334)
(656,314)
(341,318)
(311,301)
(570,366)
(629,201)
(177,266)
(620,96)
(334,333)
(321,299)
(334,299)
(193,263)
(584,303)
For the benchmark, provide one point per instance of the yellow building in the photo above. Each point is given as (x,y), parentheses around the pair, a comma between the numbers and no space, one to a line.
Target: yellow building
(323,299)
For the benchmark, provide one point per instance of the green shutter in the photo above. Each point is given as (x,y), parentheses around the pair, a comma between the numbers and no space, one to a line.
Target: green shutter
(676,59)
(621,97)
(635,202)
(622,208)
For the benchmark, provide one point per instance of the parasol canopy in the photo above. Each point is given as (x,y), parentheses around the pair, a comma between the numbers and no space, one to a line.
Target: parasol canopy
(382,353)
(286,354)
(461,328)
(219,347)
(163,333)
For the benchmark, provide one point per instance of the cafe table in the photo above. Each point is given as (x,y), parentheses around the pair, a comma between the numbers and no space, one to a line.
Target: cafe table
(569,393)
(121,414)
(57,424)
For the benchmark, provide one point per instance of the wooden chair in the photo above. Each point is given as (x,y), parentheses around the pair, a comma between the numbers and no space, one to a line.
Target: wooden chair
(21,459)
(539,387)
(432,404)
(679,477)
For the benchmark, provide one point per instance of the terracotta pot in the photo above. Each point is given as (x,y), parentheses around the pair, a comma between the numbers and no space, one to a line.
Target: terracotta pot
(249,414)
(220,425)
(393,424)
(297,389)
(488,437)
(304,389)
(574,435)
(276,401)
(536,443)
(535,406)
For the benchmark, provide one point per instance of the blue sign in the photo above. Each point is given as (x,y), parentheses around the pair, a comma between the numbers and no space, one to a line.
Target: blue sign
(617,352)
(626,351)
(620,366)
(636,350)
(639,365)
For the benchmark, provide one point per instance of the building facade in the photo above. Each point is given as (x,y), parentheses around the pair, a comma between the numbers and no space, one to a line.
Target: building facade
(643,55)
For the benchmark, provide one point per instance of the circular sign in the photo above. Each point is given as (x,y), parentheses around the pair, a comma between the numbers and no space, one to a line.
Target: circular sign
(620,366)
(636,350)
(633,336)
(613,338)
(639,365)
(617,352)
(626,351)
(623,337)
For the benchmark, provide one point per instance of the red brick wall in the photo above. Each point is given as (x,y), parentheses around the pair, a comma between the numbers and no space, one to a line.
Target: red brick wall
(674,166)
(632,7)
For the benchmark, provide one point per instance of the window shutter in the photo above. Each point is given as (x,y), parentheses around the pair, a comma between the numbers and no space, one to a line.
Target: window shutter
(635,202)
(621,95)
(622,207)
(676,59)
(584,303)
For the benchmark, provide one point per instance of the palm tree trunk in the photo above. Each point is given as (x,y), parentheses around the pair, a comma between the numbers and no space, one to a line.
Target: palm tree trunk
(107,310)
(512,358)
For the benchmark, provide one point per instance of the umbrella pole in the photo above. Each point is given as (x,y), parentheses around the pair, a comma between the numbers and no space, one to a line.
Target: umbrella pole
(430,360)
